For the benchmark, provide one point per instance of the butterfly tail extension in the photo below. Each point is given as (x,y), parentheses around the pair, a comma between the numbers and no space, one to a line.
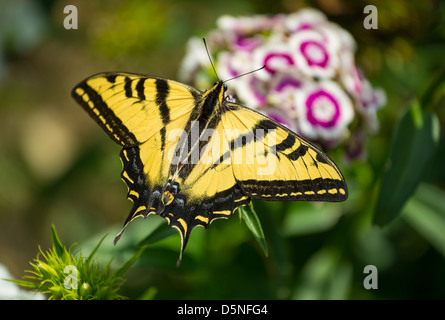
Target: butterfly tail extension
(137,211)
(177,216)
(138,192)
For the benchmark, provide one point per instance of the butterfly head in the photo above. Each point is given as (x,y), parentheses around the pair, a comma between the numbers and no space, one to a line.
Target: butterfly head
(217,92)
(219,83)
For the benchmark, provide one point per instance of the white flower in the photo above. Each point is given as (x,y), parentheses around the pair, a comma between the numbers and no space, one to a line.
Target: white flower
(371,99)
(368,102)
(276,57)
(282,92)
(11,291)
(244,43)
(304,19)
(315,56)
(250,91)
(351,78)
(233,64)
(248,24)
(196,58)
(324,111)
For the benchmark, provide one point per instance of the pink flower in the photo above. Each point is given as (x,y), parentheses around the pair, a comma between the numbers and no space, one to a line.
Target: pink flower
(282,92)
(248,24)
(369,100)
(310,82)
(352,79)
(324,110)
(315,56)
(251,91)
(247,43)
(233,64)
(304,19)
(276,57)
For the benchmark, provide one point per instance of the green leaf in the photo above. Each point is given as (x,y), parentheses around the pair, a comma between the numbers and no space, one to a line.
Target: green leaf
(308,218)
(325,276)
(252,222)
(435,91)
(425,212)
(161,231)
(57,245)
(130,262)
(149,294)
(88,260)
(413,147)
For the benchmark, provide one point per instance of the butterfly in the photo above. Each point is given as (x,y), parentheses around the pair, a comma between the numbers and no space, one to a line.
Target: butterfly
(193,157)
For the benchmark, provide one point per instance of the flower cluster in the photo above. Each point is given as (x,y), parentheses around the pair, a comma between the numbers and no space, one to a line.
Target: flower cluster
(310,81)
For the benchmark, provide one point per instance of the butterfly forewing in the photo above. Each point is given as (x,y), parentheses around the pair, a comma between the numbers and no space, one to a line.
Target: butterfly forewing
(132,108)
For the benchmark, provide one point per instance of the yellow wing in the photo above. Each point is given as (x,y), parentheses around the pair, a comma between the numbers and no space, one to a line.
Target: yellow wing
(132,108)
(270,162)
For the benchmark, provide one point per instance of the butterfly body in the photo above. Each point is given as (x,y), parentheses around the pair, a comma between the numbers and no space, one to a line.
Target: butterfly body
(193,157)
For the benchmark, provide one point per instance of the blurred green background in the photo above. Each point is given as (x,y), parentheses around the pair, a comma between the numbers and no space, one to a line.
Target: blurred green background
(58,167)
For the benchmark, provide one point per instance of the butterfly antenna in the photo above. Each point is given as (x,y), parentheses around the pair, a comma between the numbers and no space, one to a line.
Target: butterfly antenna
(243,74)
(208,54)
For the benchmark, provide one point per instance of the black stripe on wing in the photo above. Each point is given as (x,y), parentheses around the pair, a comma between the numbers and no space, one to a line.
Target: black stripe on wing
(103,114)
